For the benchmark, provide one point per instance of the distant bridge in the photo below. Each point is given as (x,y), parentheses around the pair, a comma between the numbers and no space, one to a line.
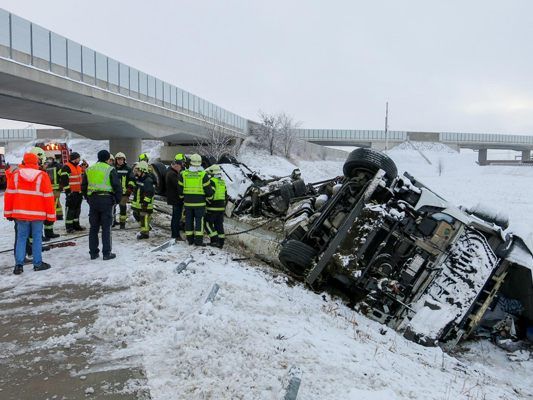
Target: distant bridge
(381,140)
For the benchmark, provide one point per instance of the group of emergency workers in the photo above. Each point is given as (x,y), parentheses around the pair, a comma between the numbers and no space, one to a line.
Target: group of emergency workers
(197,196)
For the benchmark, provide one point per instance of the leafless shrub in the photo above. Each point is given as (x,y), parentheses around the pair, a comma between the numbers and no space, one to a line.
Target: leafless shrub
(217,142)
(275,133)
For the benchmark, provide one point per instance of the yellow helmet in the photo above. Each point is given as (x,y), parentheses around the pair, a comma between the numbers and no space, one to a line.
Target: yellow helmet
(143,157)
(39,153)
(143,166)
(179,157)
(196,160)
(214,169)
(120,155)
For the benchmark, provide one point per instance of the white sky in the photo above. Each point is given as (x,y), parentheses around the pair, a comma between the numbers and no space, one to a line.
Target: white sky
(442,65)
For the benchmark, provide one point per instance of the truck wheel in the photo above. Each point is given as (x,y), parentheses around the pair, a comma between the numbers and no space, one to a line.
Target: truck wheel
(297,257)
(367,160)
(227,159)
(160,171)
(207,161)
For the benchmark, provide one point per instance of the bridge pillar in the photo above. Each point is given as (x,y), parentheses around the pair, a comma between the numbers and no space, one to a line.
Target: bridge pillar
(132,147)
(526,155)
(482,157)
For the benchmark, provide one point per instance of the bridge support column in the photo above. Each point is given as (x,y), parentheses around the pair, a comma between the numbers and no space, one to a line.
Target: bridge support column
(526,155)
(482,157)
(132,147)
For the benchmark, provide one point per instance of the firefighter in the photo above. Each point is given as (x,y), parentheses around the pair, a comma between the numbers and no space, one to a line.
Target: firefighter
(216,205)
(171,185)
(194,186)
(29,200)
(125,174)
(143,196)
(101,187)
(53,169)
(70,182)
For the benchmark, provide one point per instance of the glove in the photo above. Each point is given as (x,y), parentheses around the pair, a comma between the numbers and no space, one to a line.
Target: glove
(10,219)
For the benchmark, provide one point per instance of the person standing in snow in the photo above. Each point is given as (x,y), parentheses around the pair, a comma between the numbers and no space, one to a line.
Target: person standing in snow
(173,199)
(143,198)
(216,206)
(101,187)
(29,201)
(71,177)
(125,174)
(194,186)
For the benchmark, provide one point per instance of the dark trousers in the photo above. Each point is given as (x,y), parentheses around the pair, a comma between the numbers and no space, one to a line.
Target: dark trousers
(194,224)
(73,206)
(175,222)
(100,215)
(143,218)
(214,223)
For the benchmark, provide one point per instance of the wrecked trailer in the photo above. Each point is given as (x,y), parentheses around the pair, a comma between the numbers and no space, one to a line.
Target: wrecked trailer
(405,256)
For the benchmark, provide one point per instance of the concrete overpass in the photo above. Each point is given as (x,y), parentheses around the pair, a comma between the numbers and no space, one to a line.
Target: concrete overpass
(48,79)
(381,140)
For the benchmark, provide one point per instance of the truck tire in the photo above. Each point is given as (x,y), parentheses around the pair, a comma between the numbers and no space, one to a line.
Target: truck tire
(371,161)
(207,161)
(297,257)
(160,171)
(227,159)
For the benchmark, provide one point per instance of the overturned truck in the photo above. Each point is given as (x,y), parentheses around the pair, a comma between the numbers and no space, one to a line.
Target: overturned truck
(405,256)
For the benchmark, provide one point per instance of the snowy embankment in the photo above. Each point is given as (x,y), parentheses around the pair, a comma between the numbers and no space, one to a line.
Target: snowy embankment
(260,325)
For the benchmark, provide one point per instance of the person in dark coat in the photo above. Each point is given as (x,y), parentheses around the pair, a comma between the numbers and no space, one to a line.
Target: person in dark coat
(173,198)
(102,188)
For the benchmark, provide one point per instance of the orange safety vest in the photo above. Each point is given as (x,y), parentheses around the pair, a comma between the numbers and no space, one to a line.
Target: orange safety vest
(29,195)
(74,179)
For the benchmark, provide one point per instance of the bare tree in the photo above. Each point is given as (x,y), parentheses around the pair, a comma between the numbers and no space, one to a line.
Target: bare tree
(275,133)
(217,142)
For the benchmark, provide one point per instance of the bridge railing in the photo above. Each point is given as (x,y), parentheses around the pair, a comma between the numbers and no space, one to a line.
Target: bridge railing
(342,135)
(14,135)
(455,137)
(29,43)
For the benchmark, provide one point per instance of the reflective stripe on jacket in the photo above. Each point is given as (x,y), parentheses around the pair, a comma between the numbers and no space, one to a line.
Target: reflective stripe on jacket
(194,186)
(98,178)
(124,173)
(143,193)
(29,195)
(54,172)
(218,200)
(74,176)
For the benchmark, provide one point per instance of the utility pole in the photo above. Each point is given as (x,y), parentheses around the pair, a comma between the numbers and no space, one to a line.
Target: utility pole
(386,126)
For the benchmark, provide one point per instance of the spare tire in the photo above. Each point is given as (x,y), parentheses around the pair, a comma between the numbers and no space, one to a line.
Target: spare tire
(368,160)
(227,159)
(297,257)
(160,172)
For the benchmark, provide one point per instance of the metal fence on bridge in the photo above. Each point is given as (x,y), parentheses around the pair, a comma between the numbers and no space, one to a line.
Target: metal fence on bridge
(16,135)
(29,43)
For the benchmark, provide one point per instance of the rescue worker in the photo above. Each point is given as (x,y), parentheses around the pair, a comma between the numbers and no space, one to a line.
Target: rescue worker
(125,175)
(29,200)
(101,187)
(216,206)
(194,186)
(143,196)
(173,199)
(70,182)
(53,168)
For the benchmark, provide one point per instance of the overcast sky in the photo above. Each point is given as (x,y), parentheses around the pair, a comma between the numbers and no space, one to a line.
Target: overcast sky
(443,65)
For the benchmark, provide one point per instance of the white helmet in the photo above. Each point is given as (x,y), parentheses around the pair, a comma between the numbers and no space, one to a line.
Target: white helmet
(196,160)
(120,155)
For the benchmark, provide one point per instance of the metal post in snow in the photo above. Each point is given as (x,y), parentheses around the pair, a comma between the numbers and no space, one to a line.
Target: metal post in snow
(212,293)
(294,383)
(182,265)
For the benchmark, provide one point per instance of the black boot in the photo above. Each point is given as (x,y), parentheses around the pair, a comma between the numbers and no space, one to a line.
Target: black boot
(59,217)
(199,241)
(43,267)
(78,227)
(220,243)
(190,240)
(51,235)
(142,235)
(122,225)
(214,241)
(19,269)
(114,223)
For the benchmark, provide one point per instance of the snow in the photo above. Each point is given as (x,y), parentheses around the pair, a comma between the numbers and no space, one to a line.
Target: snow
(243,344)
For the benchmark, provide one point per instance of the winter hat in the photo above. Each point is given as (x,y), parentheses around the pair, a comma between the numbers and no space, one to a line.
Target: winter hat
(104,155)
(30,158)
(74,156)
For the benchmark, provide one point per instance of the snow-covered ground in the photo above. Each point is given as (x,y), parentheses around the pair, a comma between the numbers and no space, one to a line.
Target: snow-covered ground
(260,325)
